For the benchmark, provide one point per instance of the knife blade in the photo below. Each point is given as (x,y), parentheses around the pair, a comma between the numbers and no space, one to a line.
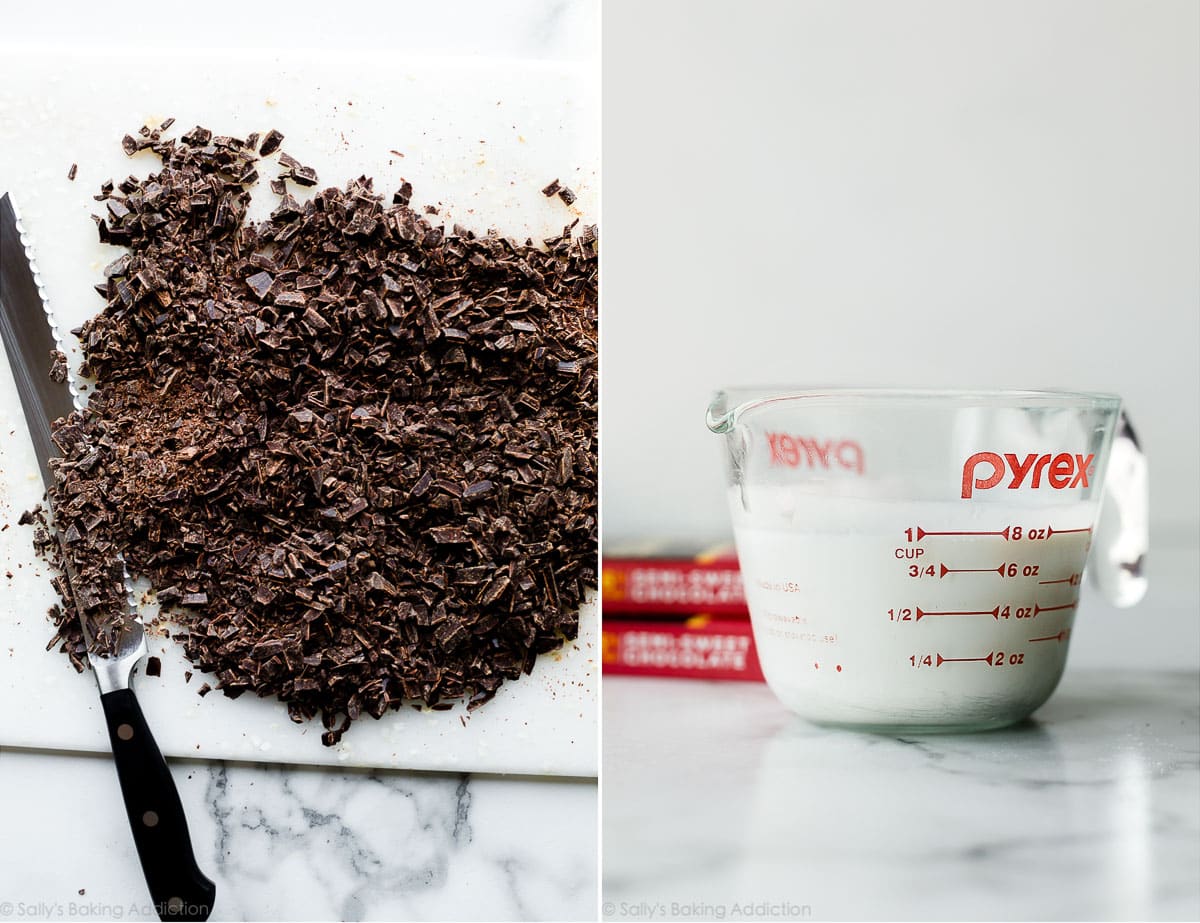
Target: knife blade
(179,889)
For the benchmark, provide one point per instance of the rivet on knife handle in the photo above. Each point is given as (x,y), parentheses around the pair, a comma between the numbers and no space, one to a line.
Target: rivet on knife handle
(179,889)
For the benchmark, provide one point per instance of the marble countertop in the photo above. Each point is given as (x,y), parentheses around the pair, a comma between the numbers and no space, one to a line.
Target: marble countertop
(303,843)
(714,796)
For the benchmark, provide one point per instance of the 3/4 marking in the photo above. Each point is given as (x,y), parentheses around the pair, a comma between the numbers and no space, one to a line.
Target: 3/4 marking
(1004,570)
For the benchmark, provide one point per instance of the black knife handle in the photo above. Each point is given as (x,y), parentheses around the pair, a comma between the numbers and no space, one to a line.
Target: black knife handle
(179,889)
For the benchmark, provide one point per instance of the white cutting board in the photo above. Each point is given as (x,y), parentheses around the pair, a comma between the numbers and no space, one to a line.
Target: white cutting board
(479,139)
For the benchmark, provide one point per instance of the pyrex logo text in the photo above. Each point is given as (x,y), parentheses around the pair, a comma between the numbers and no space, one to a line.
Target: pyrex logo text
(1065,470)
(795,451)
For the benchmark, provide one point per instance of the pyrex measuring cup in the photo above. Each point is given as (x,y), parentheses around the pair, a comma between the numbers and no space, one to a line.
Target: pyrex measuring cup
(914,559)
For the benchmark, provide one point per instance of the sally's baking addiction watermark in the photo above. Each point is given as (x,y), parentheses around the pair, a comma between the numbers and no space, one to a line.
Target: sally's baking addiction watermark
(83,909)
(706,910)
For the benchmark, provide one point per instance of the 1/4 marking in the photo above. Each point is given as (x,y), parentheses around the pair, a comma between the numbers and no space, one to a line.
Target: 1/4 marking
(991,658)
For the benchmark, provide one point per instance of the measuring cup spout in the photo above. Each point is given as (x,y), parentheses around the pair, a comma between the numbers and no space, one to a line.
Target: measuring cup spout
(720,417)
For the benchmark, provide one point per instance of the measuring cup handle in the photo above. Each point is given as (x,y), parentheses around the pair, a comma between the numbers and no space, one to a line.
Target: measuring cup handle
(1122,535)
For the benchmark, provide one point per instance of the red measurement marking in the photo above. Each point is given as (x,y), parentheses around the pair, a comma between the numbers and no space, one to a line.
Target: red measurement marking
(1048,582)
(994,613)
(839,668)
(1037,608)
(921,533)
(816,666)
(972,570)
(941,660)
(1052,531)
(1061,636)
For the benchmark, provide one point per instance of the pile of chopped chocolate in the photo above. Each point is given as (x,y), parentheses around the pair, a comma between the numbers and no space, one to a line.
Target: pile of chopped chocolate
(354,452)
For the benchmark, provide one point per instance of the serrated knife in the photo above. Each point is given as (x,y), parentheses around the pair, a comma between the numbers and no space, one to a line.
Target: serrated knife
(179,889)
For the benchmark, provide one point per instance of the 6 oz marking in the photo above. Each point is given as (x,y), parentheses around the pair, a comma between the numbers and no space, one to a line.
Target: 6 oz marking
(1007,569)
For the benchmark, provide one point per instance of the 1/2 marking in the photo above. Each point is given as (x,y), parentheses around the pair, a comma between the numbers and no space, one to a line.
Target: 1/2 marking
(994,613)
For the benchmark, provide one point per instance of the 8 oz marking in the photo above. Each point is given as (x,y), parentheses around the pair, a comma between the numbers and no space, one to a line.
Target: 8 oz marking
(1008,533)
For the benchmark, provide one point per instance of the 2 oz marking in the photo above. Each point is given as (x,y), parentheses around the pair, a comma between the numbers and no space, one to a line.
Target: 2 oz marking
(991,658)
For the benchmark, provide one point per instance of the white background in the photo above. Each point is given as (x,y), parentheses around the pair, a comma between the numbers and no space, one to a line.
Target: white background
(931,194)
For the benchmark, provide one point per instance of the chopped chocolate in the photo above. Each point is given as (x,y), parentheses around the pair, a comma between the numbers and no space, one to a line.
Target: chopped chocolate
(566,194)
(260,283)
(356,454)
(58,366)
(294,170)
(153,666)
(551,189)
(71,172)
(270,142)
(197,138)
(305,176)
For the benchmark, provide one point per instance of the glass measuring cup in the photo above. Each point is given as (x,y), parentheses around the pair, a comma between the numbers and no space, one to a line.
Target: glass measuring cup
(913,559)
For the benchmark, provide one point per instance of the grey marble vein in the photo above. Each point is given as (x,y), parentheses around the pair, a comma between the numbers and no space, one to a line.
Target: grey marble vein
(303,843)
